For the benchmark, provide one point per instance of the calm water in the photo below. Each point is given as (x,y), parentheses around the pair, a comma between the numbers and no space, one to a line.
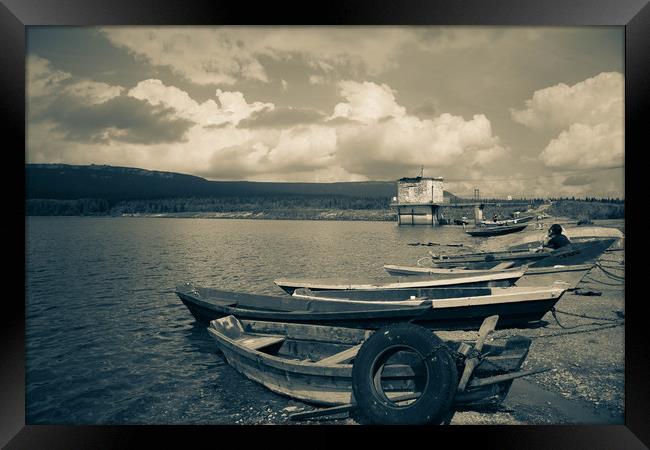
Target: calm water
(109,342)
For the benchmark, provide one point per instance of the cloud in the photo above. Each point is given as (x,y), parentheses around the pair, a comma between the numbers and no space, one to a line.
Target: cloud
(367,102)
(84,110)
(592,101)
(428,108)
(281,117)
(93,92)
(586,147)
(578,180)
(120,118)
(42,78)
(297,149)
(232,106)
(316,79)
(590,115)
(225,55)
(386,141)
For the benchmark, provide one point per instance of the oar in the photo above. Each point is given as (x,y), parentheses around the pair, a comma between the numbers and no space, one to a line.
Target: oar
(487,327)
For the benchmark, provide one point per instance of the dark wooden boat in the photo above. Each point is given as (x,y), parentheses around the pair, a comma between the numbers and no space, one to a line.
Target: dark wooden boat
(438,308)
(505,278)
(314,363)
(575,253)
(498,230)
(521,220)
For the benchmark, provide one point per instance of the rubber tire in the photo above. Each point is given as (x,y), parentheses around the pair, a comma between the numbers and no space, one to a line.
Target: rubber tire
(437,398)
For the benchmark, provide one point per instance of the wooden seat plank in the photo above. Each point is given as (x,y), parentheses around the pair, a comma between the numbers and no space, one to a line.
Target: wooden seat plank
(342,357)
(259,342)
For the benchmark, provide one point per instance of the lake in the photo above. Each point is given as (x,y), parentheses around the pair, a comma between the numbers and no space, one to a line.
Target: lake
(109,342)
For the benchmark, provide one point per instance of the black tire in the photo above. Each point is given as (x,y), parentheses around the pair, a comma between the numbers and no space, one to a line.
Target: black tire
(438,393)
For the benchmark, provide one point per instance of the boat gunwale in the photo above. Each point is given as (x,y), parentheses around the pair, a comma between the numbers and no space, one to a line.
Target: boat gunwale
(433,283)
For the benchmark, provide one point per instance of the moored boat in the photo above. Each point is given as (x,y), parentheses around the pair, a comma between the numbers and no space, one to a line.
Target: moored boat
(498,230)
(314,363)
(437,308)
(514,221)
(533,276)
(575,253)
(451,279)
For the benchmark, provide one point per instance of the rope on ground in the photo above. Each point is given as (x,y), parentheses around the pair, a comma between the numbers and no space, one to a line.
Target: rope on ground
(604,327)
(620,268)
(542,336)
(619,262)
(610,274)
(584,315)
(603,282)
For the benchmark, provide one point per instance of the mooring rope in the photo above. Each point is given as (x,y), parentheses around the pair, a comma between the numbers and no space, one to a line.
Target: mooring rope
(610,274)
(603,282)
(584,315)
(603,327)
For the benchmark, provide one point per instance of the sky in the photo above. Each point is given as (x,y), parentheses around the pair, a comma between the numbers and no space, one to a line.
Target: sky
(521,111)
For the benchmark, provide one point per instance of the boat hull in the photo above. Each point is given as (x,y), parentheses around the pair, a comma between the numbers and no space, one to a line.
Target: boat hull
(576,253)
(295,366)
(497,230)
(453,313)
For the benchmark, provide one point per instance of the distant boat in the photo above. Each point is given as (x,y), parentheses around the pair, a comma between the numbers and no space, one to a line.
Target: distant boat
(437,308)
(424,281)
(514,221)
(496,230)
(314,363)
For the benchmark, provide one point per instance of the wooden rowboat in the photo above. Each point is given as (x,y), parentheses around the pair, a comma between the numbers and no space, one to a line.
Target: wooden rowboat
(533,276)
(440,308)
(508,221)
(575,253)
(505,278)
(497,230)
(314,363)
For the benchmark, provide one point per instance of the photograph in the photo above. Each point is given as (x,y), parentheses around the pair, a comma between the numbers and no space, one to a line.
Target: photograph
(325,225)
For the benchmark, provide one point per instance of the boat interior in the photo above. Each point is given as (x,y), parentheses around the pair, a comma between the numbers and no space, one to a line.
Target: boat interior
(402,372)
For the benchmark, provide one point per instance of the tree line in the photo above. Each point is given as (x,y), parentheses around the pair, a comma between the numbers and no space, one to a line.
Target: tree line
(90,206)
(601,208)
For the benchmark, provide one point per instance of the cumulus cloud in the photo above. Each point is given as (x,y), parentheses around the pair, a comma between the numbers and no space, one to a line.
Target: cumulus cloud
(586,146)
(590,115)
(592,101)
(367,102)
(297,149)
(232,106)
(384,140)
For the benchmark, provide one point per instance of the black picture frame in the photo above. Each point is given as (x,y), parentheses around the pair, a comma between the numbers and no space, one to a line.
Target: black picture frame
(16,15)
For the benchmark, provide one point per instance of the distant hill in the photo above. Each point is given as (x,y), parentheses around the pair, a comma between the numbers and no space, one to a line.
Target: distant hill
(114,184)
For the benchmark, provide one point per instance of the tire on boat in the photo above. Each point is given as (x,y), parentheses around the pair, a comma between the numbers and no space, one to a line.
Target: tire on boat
(438,391)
